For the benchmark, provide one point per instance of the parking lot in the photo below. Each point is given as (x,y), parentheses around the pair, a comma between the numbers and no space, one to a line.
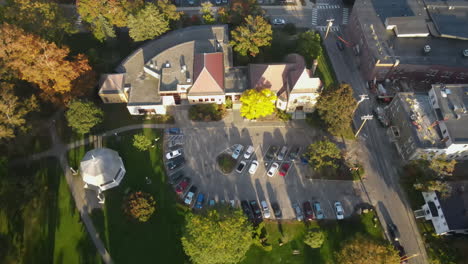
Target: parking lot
(202,146)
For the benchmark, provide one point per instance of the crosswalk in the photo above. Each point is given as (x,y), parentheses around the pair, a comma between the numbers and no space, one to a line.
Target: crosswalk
(314,16)
(324,28)
(328,6)
(345,15)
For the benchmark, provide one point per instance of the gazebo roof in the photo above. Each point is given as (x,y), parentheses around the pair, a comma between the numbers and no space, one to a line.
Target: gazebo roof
(101,167)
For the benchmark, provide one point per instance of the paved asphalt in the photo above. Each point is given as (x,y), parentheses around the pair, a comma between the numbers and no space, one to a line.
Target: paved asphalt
(383,161)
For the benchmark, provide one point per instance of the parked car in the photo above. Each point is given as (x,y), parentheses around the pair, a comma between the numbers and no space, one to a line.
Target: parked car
(173,154)
(271,153)
(279,21)
(256,211)
(284,169)
(247,211)
(265,209)
(218,2)
(318,211)
(282,153)
(183,185)
(200,200)
(211,202)
(173,131)
(232,203)
(339,211)
(309,213)
(393,232)
(253,167)
(298,211)
(241,166)
(304,159)
(249,152)
(189,197)
(175,163)
(276,210)
(340,45)
(273,169)
(237,151)
(176,177)
(294,153)
(401,252)
(191,2)
(225,1)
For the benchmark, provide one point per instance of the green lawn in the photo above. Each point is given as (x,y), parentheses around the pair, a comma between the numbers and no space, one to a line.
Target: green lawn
(292,233)
(39,220)
(325,69)
(159,238)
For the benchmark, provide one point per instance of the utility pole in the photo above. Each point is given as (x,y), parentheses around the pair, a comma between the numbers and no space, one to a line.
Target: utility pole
(365,118)
(362,97)
(329,25)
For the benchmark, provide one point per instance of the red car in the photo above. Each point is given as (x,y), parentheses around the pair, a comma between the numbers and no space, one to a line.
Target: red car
(284,169)
(309,213)
(182,186)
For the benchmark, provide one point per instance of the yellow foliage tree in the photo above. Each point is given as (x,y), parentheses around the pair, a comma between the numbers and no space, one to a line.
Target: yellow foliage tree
(257,103)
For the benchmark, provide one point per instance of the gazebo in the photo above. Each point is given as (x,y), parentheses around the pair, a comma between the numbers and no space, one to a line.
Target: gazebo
(102,168)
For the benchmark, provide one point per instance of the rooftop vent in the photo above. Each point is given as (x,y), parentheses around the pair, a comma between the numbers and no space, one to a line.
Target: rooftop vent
(465,53)
(183,69)
(189,80)
(427,48)
(167,65)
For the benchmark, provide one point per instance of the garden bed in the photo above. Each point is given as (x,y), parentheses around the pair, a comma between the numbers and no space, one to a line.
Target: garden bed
(226,163)
(207,112)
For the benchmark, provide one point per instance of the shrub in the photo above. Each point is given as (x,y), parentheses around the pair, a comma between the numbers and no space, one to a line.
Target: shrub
(282,115)
(139,206)
(207,112)
(141,142)
(228,103)
(314,238)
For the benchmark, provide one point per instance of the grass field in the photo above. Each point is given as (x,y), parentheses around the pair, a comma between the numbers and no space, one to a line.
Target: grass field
(292,234)
(41,223)
(325,70)
(129,241)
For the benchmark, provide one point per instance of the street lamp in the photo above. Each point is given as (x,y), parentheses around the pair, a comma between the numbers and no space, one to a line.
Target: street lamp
(329,25)
(362,97)
(365,118)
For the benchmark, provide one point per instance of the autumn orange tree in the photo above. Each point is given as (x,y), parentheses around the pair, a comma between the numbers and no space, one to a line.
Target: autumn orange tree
(51,68)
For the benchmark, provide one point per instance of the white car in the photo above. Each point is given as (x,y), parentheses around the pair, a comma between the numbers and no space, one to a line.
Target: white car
(237,151)
(249,152)
(339,211)
(173,154)
(273,169)
(282,153)
(253,167)
(265,209)
(279,21)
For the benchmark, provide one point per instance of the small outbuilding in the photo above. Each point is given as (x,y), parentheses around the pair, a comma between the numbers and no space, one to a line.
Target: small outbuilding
(102,168)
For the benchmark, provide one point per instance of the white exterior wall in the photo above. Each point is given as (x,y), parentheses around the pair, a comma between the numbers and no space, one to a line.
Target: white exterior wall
(208,99)
(282,105)
(168,100)
(306,100)
(158,109)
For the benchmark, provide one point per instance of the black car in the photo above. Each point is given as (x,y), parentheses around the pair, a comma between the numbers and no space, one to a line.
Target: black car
(246,208)
(271,153)
(401,252)
(256,210)
(340,45)
(294,154)
(276,210)
(393,232)
(175,163)
(176,177)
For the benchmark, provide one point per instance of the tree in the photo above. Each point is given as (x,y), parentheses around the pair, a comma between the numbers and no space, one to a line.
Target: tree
(168,10)
(364,250)
(141,142)
(32,59)
(323,153)
(82,116)
(314,238)
(207,12)
(257,103)
(13,111)
(336,108)
(42,17)
(103,15)
(217,236)
(140,206)
(433,185)
(442,166)
(248,38)
(309,45)
(148,23)
(239,9)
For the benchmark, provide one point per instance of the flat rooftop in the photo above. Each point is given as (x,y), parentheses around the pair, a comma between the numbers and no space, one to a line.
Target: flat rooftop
(235,80)
(144,91)
(455,207)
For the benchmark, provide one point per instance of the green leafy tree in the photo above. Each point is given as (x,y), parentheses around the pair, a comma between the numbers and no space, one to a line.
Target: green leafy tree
(82,116)
(168,10)
(248,38)
(140,206)
(323,153)
(41,17)
(336,108)
(148,23)
(364,250)
(13,111)
(141,142)
(207,12)
(217,236)
(257,103)
(309,45)
(314,238)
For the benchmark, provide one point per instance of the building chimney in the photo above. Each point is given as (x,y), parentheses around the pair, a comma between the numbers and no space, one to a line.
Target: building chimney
(314,67)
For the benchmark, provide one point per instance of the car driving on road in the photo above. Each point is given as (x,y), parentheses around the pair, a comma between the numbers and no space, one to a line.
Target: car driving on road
(237,151)
(339,211)
(241,167)
(253,167)
(273,169)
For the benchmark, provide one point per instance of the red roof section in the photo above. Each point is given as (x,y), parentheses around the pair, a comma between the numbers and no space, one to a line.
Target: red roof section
(208,73)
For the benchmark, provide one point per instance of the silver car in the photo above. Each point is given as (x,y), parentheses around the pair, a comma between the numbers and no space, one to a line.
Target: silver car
(265,209)
(298,211)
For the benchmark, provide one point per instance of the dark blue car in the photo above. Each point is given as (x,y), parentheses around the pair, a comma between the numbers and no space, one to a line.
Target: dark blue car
(200,199)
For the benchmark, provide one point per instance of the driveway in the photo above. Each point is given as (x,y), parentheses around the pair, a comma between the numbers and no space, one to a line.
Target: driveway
(203,145)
